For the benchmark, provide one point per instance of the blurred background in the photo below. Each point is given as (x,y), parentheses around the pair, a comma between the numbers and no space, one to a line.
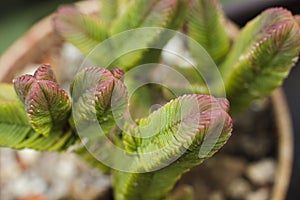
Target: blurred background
(17,16)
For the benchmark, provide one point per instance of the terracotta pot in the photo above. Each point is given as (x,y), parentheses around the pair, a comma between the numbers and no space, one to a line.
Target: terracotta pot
(41,39)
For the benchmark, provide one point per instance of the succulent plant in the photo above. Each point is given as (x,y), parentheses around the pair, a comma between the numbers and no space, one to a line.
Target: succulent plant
(157,149)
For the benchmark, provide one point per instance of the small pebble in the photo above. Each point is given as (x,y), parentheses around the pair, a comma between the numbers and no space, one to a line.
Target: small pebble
(238,189)
(216,195)
(89,186)
(26,184)
(33,197)
(28,156)
(8,165)
(261,194)
(262,172)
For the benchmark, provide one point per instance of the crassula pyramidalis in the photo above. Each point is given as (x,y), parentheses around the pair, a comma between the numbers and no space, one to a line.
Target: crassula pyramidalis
(36,113)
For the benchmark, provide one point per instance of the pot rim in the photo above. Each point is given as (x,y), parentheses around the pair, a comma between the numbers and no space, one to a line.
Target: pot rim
(285,145)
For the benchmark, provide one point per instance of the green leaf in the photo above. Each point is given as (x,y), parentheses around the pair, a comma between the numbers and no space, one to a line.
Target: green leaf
(84,32)
(206,25)
(178,136)
(83,90)
(123,6)
(47,105)
(144,14)
(98,95)
(108,11)
(103,95)
(23,85)
(262,57)
(16,131)
(88,79)
(14,126)
(192,82)
(111,103)
(161,14)
(57,140)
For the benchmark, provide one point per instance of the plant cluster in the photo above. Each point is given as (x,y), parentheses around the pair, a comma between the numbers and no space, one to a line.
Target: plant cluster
(36,113)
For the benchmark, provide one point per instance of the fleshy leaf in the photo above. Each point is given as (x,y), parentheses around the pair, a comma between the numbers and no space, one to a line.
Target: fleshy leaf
(22,86)
(109,10)
(117,73)
(87,80)
(262,57)
(103,95)
(206,25)
(83,31)
(96,93)
(154,13)
(98,97)
(83,91)
(14,126)
(86,32)
(44,72)
(47,105)
(16,131)
(183,133)
(123,6)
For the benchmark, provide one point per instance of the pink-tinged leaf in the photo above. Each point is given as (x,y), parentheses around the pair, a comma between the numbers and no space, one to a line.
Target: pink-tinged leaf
(47,105)
(253,33)
(84,89)
(98,95)
(83,31)
(103,95)
(119,100)
(16,131)
(261,58)
(175,138)
(161,12)
(87,80)
(111,103)
(44,72)
(118,73)
(224,104)
(22,86)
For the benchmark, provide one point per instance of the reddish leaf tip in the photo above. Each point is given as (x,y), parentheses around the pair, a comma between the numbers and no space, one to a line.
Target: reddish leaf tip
(224,103)
(45,72)
(118,73)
